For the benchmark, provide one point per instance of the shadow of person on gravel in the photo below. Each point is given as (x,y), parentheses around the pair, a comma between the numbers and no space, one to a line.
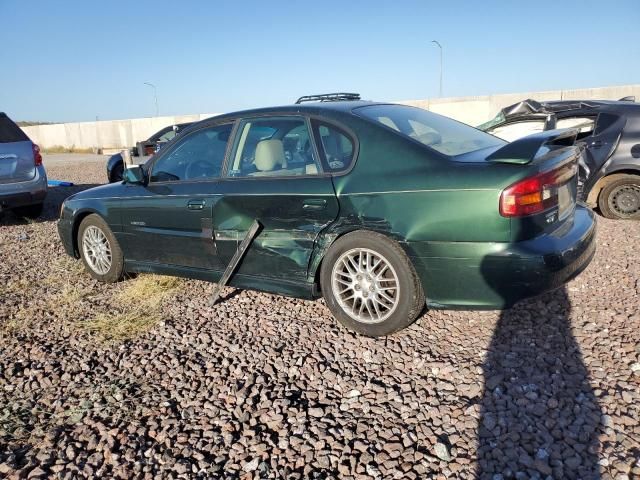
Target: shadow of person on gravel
(52,203)
(539,416)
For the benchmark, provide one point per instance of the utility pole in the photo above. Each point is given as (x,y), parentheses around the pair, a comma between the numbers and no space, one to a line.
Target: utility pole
(439,46)
(155,94)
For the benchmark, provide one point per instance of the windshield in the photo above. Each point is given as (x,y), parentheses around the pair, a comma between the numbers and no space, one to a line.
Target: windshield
(440,133)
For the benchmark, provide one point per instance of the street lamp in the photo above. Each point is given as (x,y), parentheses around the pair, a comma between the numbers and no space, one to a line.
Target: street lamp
(155,94)
(440,46)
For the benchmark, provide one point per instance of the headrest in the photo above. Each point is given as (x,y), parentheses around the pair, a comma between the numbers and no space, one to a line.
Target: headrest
(269,155)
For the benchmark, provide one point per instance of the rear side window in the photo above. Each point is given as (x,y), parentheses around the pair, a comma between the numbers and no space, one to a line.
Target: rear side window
(10,132)
(273,147)
(442,134)
(336,147)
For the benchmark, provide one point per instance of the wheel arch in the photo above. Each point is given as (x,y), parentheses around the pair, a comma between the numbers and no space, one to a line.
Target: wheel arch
(79,217)
(327,238)
(594,193)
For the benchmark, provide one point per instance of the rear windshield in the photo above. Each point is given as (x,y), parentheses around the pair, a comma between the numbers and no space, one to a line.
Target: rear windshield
(440,133)
(10,132)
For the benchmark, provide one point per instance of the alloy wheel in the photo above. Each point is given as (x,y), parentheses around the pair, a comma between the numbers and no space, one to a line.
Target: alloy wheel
(97,250)
(365,285)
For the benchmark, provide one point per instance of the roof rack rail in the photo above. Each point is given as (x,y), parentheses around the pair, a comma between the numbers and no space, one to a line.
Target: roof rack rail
(329,97)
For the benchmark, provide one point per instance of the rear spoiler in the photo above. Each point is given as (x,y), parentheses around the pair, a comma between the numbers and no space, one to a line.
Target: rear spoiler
(524,150)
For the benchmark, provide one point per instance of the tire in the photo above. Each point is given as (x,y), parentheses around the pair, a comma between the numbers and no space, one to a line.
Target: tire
(99,250)
(368,312)
(29,211)
(620,198)
(117,172)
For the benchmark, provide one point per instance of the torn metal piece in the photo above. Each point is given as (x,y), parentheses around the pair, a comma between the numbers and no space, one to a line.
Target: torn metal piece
(235,260)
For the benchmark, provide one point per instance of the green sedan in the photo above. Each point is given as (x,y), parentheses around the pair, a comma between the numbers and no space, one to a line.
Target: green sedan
(379,208)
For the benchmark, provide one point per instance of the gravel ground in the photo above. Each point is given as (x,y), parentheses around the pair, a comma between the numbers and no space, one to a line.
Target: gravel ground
(263,386)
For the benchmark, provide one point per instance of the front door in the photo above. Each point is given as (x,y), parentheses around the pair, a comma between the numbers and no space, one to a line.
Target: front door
(169,220)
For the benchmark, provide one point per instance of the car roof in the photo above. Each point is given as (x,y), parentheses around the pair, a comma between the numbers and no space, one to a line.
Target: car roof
(311,108)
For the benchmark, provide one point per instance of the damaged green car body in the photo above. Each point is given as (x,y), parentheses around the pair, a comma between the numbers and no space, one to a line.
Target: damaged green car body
(313,173)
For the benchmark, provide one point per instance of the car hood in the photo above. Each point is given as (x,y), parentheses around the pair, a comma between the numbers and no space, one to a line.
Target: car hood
(103,191)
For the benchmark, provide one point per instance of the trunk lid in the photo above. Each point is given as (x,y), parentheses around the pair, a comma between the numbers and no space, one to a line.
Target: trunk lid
(549,162)
(16,162)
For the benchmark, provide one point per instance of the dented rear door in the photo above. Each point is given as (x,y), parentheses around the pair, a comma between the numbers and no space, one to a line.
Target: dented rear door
(292,212)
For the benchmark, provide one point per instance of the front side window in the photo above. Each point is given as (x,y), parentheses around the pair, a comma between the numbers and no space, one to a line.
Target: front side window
(197,156)
(335,146)
(273,146)
(442,134)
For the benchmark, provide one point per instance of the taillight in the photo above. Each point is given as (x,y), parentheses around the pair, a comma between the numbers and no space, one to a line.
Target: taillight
(37,156)
(535,194)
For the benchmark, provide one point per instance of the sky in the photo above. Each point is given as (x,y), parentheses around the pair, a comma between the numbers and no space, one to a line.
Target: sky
(71,60)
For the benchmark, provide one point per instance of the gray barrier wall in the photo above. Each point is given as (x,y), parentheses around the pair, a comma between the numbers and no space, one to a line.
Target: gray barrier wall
(118,134)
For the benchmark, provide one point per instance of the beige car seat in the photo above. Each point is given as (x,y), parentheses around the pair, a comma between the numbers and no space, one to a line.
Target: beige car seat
(269,158)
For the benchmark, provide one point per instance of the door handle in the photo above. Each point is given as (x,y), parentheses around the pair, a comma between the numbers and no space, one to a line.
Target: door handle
(314,204)
(596,143)
(195,204)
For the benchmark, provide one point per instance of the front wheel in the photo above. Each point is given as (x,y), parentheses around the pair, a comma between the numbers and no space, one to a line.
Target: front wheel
(620,198)
(99,249)
(370,285)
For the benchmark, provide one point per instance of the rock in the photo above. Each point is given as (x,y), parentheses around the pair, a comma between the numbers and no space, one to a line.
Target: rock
(252,465)
(442,452)
(316,412)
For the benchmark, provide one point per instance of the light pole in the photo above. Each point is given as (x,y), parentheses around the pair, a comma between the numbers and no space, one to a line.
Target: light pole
(440,46)
(155,94)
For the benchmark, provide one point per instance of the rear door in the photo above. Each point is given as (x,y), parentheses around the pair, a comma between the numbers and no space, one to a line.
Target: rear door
(274,175)
(16,153)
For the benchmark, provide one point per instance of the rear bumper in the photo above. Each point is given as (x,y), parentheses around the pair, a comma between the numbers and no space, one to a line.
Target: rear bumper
(496,275)
(21,194)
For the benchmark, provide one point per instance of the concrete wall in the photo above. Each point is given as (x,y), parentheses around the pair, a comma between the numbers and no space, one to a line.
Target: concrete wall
(477,110)
(117,134)
(109,134)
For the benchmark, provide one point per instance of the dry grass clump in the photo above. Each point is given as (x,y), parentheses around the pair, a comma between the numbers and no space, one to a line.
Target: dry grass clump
(71,149)
(137,307)
(112,313)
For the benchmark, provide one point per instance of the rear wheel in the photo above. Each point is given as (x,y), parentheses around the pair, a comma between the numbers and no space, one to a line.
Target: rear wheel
(29,211)
(620,198)
(99,249)
(370,285)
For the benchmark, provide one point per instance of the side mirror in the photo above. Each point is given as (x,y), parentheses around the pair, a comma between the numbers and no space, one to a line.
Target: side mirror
(134,175)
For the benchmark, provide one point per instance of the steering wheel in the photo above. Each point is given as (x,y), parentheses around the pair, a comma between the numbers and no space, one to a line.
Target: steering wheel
(198,169)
